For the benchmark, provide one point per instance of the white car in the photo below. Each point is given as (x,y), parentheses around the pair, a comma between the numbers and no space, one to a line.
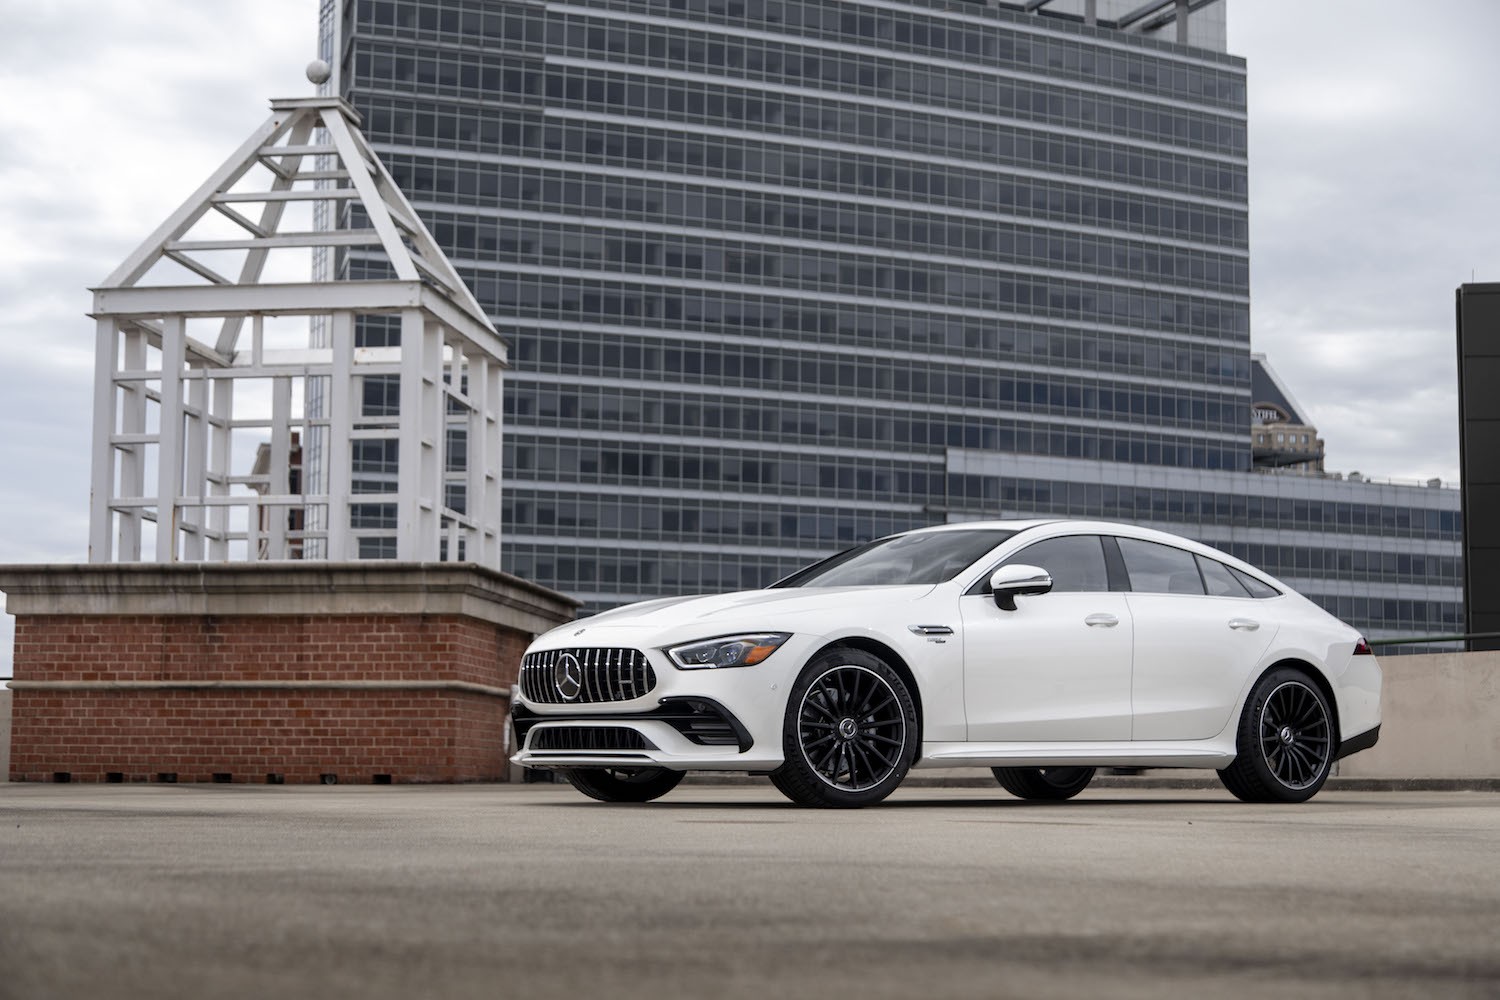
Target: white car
(1039,649)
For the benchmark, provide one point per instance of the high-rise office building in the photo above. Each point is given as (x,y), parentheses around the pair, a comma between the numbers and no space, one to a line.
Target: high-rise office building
(782,275)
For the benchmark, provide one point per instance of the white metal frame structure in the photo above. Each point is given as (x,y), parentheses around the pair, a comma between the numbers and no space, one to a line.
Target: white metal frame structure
(200,412)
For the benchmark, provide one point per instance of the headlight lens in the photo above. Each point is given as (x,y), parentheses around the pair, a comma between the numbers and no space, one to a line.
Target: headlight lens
(727,651)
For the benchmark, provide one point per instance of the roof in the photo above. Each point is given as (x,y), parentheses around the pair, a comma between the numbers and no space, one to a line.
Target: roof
(1266,387)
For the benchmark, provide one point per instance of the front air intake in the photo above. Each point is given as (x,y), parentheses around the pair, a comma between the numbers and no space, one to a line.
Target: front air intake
(588,739)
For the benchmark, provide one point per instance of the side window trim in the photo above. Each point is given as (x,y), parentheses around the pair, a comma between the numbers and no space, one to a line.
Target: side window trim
(1114,565)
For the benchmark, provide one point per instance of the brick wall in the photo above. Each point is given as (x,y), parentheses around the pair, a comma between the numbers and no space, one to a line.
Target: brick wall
(298,735)
(374,647)
(358,737)
(112,691)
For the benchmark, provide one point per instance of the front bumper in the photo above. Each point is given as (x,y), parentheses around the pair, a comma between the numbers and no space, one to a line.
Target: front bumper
(727,719)
(680,733)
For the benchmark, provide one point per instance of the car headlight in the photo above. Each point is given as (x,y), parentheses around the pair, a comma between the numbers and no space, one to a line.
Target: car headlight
(727,651)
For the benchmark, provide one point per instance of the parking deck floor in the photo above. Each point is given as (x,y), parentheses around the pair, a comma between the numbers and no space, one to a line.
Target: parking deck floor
(534,891)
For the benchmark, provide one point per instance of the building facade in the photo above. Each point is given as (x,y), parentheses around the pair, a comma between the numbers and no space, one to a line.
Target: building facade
(782,275)
(1282,437)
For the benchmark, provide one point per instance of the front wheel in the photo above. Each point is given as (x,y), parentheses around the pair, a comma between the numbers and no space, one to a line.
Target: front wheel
(628,784)
(850,732)
(1285,741)
(1044,783)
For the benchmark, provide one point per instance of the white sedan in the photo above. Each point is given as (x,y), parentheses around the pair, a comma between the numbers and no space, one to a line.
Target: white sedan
(1040,649)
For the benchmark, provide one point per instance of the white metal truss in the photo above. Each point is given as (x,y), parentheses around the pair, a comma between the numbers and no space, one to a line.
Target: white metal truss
(253,417)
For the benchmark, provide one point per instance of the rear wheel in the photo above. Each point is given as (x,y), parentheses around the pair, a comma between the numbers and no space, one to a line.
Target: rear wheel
(1044,783)
(627,784)
(850,732)
(1285,742)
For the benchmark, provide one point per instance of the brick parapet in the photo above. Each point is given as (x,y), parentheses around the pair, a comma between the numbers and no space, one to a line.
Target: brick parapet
(291,588)
(264,648)
(130,673)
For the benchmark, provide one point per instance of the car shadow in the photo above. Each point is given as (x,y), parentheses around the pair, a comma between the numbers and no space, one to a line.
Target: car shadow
(999,802)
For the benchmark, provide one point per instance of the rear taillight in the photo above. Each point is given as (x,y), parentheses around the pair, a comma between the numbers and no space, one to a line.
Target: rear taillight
(1362,648)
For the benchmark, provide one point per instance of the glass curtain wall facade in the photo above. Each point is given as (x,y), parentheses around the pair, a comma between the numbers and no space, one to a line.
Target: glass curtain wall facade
(775,272)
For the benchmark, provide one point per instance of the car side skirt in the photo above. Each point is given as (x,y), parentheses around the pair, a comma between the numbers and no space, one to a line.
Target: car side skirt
(1205,753)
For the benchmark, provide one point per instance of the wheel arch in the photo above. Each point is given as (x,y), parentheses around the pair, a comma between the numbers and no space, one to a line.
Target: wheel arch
(1317,677)
(896,662)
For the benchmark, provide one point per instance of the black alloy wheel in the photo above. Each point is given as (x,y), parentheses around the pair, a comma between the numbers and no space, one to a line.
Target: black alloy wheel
(1052,784)
(850,732)
(1286,741)
(623,784)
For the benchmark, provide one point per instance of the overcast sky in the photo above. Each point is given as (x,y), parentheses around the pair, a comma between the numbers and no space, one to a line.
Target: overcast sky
(1373,195)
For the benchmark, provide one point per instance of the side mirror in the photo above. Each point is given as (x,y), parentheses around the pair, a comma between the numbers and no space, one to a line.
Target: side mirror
(1010,582)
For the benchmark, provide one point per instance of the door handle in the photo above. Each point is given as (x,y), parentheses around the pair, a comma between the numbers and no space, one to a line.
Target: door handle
(1101,620)
(1244,624)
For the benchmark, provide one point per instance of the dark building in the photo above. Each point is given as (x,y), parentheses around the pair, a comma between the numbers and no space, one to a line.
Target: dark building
(782,275)
(1479,456)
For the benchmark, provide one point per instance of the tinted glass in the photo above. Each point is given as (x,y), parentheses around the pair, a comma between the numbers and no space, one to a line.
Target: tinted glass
(1160,569)
(1256,588)
(927,557)
(1220,581)
(1075,563)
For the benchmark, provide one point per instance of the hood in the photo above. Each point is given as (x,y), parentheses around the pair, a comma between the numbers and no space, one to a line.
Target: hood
(748,609)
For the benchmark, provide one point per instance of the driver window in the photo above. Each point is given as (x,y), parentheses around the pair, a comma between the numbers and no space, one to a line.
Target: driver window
(1075,563)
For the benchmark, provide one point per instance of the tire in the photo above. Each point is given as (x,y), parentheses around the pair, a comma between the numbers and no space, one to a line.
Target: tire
(1051,784)
(631,784)
(850,732)
(1285,742)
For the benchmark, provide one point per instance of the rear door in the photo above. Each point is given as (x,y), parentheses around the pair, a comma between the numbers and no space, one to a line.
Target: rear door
(1198,634)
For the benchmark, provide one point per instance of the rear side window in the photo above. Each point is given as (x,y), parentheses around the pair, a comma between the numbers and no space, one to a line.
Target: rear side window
(1159,569)
(1220,579)
(1075,563)
(1256,588)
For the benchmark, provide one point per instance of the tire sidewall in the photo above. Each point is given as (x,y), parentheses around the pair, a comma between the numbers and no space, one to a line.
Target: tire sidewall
(1249,746)
(797,773)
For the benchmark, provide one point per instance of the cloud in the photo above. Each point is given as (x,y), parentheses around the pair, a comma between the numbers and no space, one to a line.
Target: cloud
(1371,200)
(113,114)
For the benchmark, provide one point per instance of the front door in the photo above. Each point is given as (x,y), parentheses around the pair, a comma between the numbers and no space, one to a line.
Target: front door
(1058,667)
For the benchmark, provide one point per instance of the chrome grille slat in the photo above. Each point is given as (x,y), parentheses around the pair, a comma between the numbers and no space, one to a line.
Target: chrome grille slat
(609,674)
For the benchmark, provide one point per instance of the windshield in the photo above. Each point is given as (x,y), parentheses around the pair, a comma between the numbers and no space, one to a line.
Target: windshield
(925,557)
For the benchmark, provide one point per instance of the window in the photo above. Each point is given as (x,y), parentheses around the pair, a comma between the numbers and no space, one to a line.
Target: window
(1159,569)
(1220,580)
(1075,563)
(922,557)
(1256,588)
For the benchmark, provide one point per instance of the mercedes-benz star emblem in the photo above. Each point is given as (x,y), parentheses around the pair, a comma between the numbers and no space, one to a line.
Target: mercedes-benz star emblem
(567,675)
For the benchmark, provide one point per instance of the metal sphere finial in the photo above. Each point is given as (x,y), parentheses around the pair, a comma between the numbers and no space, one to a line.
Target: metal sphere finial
(318,72)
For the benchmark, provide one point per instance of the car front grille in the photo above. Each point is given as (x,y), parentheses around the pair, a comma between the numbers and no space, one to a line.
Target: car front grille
(588,738)
(585,675)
